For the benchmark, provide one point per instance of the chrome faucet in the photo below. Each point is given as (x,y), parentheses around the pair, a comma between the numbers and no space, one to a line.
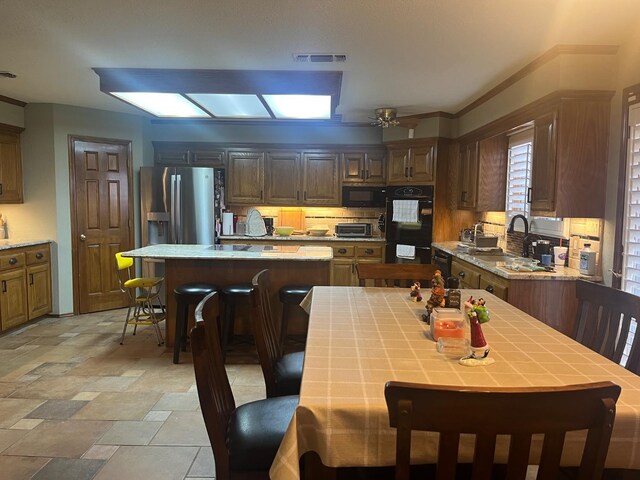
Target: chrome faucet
(525,243)
(476,227)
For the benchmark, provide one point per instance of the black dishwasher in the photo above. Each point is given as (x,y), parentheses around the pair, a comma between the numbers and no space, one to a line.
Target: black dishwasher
(443,260)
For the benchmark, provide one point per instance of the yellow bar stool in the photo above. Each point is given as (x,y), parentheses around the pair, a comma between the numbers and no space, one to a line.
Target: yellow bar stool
(143,292)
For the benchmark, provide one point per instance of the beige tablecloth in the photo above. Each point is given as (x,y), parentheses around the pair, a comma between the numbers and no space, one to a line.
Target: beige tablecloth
(359,338)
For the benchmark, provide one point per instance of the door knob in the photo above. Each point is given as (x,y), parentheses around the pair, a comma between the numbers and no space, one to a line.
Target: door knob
(83,237)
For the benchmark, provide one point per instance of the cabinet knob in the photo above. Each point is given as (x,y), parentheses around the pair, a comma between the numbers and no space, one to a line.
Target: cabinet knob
(489,289)
(461,274)
(342,250)
(13,261)
(369,251)
(39,255)
(411,171)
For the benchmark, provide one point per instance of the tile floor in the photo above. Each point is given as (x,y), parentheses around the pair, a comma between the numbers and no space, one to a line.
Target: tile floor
(75,404)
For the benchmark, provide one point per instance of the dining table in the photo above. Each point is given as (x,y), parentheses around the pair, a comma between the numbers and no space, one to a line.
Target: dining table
(359,338)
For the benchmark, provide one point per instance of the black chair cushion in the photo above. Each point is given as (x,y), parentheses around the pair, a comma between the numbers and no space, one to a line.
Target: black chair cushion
(293,293)
(243,289)
(288,373)
(193,292)
(256,430)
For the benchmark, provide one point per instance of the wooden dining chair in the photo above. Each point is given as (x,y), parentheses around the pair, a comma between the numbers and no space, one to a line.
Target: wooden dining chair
(606,322)
(244,439)
(395,274)
(282,372)
(517,412)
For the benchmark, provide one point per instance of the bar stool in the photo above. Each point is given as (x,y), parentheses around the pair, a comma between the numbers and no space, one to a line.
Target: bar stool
(185,295)
(232,295)
(290,297)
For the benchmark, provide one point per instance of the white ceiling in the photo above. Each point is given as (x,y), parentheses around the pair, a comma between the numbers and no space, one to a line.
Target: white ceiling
(416,55)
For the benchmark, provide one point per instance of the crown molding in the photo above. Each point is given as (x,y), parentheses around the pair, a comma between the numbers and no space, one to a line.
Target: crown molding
(12,101)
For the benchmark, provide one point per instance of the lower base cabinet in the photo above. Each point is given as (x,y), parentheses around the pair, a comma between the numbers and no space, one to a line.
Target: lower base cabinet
(25,284)
(471,276)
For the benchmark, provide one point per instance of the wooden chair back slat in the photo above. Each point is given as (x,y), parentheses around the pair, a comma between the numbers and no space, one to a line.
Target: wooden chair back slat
(604,322)
(395,274)
(487,412)
(214,390)
(519,447)
(266,335)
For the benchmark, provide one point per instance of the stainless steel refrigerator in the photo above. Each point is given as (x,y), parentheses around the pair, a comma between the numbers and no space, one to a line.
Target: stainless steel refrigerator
(179,205)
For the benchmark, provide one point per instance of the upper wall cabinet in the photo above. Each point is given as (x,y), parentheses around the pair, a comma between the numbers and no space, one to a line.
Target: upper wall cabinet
(245,181)
(282,175)
(366,167)
(320,179)
(468,175)
(411,162)
(10,165)
(183,154)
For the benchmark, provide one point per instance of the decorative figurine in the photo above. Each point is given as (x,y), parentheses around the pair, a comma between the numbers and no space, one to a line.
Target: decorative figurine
(437,292)
(415,292)
(477,313)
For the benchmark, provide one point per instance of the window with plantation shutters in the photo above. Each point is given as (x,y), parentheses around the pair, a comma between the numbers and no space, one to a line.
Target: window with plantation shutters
(519,173)
(631,263)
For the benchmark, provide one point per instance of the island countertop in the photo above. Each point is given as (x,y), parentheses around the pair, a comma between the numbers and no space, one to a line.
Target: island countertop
(233,252)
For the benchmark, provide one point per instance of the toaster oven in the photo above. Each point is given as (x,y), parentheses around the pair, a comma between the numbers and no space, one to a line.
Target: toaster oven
(354,230)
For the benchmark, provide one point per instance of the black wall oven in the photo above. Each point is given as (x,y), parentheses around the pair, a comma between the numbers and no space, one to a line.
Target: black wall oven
(409,241)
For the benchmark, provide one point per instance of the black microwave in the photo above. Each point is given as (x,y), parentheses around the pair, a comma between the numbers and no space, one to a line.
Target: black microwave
(374,197)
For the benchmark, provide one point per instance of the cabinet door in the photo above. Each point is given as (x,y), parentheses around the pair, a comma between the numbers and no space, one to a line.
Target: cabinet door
(468,175)
(321,183)
(168,155)
(13,298)
(468,276)
(282,178)
(10,168)
(397,166)
(342,272)
(206,158)
(374,167)
(245,184)
(39,290)
(499,289)
(422,164)
(492,174)
(543,166)
(353,167)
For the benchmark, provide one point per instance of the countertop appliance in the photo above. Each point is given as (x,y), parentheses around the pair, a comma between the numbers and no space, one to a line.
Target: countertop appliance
(354,230)
(412,240)
(179,205)
(368,197)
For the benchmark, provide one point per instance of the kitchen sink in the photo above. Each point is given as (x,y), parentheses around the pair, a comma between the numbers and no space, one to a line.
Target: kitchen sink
(495,258)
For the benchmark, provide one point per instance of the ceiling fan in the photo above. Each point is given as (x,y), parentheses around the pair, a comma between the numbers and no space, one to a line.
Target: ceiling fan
(385,117)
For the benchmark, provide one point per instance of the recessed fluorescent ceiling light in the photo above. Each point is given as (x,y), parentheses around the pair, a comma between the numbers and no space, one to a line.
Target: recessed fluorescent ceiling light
(162,104)
(299,106)
(231,105)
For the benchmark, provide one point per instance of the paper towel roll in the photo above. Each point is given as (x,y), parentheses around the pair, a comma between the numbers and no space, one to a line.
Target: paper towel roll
(227,223)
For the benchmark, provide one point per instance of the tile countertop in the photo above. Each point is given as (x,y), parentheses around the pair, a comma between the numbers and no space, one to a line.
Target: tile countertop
(11,243)
(303,238)
(561,273)
(206,252)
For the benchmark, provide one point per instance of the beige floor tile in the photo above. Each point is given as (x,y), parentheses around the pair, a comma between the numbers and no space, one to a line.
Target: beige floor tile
(247,393)
(9,437)
(86,396)
(118,406)
(178,401)
(101,452)
(166,463)
(61,388)
(130,433)
(203,466)
(111,383)
(20,468)
(248,375)
(27,424)
(163,380)
(103,365)
(157,416)
(66,438)
(14,409)
(182,428)
(7,388)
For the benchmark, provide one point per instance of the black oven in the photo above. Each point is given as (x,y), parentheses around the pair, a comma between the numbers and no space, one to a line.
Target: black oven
(374,197)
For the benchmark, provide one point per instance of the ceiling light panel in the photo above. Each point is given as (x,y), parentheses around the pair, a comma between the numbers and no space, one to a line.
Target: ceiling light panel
(163,104)
(231,105)
(300,106)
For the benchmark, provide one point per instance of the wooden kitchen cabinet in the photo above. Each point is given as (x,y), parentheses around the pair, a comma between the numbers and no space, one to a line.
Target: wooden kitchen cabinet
(282,176)
(245,182)
(468,176)
(196,154)
(472,276)
(366,167)
(412,162)
(25,281)
(320,179)
(10,165)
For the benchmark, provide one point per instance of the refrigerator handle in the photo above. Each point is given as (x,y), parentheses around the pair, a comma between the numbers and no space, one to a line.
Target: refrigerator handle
(178,209)
(173,238)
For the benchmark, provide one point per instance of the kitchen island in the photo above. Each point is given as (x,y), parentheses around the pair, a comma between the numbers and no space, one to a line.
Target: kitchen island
(224,265)
(547,296)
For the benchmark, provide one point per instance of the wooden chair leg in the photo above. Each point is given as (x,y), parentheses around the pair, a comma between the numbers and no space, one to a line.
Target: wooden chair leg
(181,319)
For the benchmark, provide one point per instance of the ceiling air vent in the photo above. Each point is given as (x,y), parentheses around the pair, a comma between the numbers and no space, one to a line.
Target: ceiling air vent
(319,57)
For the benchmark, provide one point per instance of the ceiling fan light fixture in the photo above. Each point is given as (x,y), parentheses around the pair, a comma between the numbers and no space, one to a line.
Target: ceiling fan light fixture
(385,117)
